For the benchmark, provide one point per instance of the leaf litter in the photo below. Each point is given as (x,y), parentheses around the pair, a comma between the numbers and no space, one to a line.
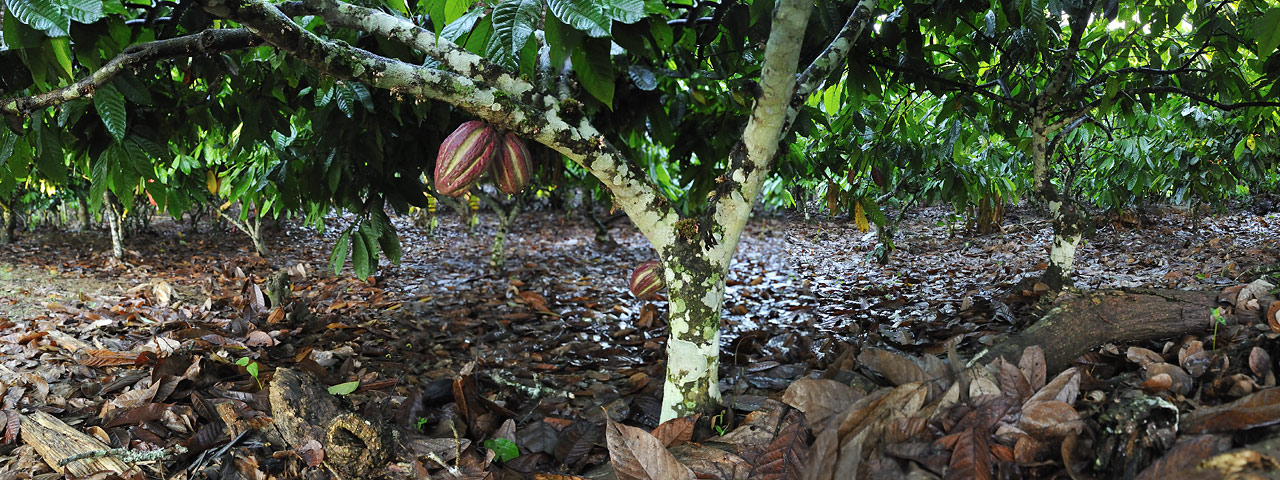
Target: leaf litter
(833,366)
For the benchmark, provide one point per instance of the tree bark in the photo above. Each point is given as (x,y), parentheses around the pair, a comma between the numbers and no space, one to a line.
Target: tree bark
(82,211)
(9,223)
(1082,321)
(111,213)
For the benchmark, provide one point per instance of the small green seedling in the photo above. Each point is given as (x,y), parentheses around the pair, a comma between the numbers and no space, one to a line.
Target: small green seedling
(503,449)
(719,424)
(1217,319)
(251,367)
(421,423)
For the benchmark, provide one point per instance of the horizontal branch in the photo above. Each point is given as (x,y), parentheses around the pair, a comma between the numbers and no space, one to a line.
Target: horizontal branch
(1202,98)
(952,85)
(557,123)
(203,43)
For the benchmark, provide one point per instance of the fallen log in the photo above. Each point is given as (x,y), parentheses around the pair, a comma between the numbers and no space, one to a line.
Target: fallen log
(1080,321)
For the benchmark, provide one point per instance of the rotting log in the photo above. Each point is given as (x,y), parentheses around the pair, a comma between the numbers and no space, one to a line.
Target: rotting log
(1080,321)
(55,440)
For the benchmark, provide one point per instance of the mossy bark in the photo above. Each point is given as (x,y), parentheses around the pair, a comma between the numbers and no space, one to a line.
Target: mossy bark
(696,287)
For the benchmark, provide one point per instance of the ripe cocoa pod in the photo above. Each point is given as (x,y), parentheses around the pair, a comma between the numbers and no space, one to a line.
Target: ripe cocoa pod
(512,165)
(463,157)
(878,177)
(646,280)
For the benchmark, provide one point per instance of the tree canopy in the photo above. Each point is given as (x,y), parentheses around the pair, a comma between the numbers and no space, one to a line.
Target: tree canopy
(685,112)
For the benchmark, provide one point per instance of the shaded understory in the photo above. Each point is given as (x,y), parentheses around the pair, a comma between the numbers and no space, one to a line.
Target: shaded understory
(146,349)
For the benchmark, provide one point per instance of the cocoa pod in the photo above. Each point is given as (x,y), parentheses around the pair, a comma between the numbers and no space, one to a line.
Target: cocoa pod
(646,280)
(878,177)
(512,165)
(463,157)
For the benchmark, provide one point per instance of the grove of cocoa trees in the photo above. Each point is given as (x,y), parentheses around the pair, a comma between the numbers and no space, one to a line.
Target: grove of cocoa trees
(403,138)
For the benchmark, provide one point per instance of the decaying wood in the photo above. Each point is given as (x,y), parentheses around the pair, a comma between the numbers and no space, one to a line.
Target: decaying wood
(1081,321)
(55,441)
(356,447)
(300,406)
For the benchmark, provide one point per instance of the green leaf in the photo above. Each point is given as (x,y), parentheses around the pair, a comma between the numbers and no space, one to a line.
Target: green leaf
(43,15)
(446,12)
(503,449)
(585,15)
(339,254)
(388,240)
(623,11)
(360,257)
(1268,31)
(344,388)
(461,26)
(595,70)
(1239,150)
(83,11)
(110,105)
(399,6)
(513,23)
(62,53)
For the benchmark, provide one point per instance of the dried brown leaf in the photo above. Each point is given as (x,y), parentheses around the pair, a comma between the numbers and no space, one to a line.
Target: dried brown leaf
(676,431)
(1063,388)
(1257,410)
(576,441)
(1273,317)
(12,426)
(898,369)
(1033,366)
(710,462)
(1259,362)
(786,456)
(1052,419)
(1180,381)
(1157,383)
(1013,382)
(1143,356)
(819,398)
(1181,460)
(971,457)
(637,455)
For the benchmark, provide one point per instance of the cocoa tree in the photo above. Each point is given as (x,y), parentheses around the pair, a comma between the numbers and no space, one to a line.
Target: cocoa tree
(1035,73)
(534,59)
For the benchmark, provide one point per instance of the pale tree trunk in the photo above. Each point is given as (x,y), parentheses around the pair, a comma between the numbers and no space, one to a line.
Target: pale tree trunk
(696,290)
(8,222)
(1069,223)
(506,217)
(111,214)
(82,212)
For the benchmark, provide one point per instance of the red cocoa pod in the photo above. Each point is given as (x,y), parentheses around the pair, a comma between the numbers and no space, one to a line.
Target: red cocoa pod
(878,177)
(463,157)
(512,167)
(646,280)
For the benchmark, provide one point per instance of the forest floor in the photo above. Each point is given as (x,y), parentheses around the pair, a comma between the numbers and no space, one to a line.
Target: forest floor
(831,362)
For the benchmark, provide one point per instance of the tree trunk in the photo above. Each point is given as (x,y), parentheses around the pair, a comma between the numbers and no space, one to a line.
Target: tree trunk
(696,286)
(506,218)
(9,221)
(1082,321)
(111,213)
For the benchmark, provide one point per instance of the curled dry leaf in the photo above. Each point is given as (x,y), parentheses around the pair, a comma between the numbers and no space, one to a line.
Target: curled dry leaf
(1184,456)
(1257,410)
(1157,383)
(1188,349)
(1180,381)
(1255,290)
(1143,356)
(1033,366)
(1049,419)
(1063,388)
(1260,362)
(819,398)
(1230,294)
(677,431)
(898,369)
(1273,317)
(786,455)
(1012,381)
(637,455)
(709,462)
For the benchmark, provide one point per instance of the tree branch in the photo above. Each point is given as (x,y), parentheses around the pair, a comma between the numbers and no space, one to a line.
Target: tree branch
(466,82)
(202,43)
(1202,98)
(952,85)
